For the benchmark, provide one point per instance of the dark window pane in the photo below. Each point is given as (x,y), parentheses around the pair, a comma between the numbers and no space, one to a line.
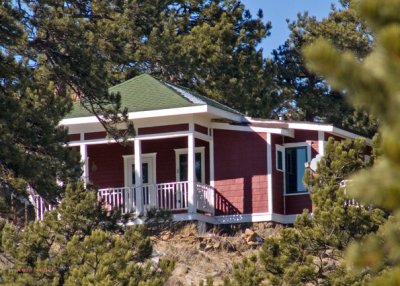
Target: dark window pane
(198,167)
(183,167)
(295,158)
(145,173)
(279,160)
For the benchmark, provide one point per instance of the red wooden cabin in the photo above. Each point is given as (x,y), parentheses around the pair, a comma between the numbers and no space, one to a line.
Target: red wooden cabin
(198,158)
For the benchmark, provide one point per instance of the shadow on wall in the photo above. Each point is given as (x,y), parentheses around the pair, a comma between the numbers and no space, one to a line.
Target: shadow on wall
(223,206)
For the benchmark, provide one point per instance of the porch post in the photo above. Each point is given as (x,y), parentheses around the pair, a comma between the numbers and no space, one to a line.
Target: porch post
(85,164)
(138,176)
(212,178)
(192,203)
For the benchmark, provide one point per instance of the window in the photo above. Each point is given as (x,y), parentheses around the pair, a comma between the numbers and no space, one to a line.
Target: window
(280,150)
(295,159)
(182,164)
(183,167)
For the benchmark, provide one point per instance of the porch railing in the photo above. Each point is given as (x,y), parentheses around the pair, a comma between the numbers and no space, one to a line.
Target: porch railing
(40,205)
(172,196)
(205,198)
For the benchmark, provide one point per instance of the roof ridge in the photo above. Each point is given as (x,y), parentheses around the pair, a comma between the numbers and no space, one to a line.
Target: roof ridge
(129,80)
(194,93)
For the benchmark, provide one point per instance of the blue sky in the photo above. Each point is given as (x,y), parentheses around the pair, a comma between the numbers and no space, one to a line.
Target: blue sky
(277,11)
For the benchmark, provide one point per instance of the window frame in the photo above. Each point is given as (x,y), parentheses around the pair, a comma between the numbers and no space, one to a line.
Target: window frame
(281,149)
(294,145)
(182,151)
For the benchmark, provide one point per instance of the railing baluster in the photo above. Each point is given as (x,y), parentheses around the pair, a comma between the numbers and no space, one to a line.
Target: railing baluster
(172,196)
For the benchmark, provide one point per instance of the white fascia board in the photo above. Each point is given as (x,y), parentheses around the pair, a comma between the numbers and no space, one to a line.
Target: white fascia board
(327,128)
(198,109)
(78,120)
(226,126)
(225,114)
(141,114)
(349,134)
(310,126)
(168,112)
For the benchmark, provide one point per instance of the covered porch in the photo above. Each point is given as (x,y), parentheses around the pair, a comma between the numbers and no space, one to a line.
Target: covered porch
(176,170)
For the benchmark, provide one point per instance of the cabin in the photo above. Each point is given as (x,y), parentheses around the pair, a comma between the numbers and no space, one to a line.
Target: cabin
(198,158)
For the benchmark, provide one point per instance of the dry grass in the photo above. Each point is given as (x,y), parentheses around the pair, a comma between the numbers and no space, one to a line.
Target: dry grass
(210,254)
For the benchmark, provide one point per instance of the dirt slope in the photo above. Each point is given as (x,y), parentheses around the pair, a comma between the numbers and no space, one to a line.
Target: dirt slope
(212,253)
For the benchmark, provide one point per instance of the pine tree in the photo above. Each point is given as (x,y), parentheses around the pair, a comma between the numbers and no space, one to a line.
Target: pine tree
(373,83)
(211,47)
(312,252)
(78,243)
(304,95)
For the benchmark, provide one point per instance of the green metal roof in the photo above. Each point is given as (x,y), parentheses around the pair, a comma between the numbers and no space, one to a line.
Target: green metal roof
(144,92)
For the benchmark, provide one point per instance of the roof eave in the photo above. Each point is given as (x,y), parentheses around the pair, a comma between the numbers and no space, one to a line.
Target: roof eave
(196,109)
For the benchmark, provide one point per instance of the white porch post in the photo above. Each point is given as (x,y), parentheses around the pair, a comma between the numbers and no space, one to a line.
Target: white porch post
(321,143)
(212,178)
(269,174)
(192,203)
(138,176)
(85,163)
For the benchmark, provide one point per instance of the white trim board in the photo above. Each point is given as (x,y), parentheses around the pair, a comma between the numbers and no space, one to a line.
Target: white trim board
(269,174)
(294,145)
(239,218)
(256,217)
(161,113)
(249,128)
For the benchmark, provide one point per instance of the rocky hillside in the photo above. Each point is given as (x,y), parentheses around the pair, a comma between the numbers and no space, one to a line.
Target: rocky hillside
(212,253)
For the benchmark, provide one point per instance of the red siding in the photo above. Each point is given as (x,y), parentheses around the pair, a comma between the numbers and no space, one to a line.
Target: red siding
(201,129)
(163,129)
(165,160)
(74,137)
(95,135)
(296,204)
(240,163)
(106,165)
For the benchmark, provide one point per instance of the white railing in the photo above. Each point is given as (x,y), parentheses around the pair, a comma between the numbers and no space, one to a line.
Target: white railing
(41,206)
(205,198)
(118,198)
(351,201)
(172,196)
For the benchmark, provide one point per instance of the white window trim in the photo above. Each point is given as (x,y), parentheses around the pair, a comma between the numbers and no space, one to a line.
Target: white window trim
(295,145)
(181,151)
(130,159)
(280,148)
